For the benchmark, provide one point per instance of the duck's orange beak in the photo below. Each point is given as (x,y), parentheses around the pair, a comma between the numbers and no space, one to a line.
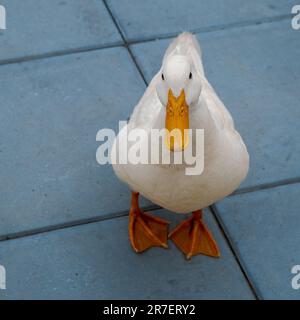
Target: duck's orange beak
(177,120)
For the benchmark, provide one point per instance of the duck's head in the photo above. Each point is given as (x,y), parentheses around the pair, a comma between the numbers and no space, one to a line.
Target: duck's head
(178,89)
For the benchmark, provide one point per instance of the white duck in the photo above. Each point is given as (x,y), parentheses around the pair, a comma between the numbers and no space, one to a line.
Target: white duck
(179,96)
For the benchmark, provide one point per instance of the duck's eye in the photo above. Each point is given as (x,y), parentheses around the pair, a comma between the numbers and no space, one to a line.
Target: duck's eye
(190,76)
(162,76)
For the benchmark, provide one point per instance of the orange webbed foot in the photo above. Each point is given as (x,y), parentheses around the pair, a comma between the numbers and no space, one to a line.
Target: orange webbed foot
(192,237)
(145,230)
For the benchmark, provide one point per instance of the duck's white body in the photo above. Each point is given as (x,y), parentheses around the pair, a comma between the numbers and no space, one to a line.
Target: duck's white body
(226,159)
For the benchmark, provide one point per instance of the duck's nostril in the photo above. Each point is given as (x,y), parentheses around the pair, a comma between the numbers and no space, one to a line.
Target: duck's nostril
(170,110)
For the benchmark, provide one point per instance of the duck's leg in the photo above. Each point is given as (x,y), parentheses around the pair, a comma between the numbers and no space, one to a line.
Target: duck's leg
(145,230)
(192,237)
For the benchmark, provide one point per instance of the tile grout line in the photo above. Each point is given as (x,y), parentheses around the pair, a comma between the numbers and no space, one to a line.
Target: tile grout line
(266,186)
(234,252)
(70,224)
(60,53)
(128,43)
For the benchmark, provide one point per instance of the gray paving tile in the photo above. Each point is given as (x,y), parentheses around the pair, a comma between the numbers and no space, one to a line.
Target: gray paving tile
(36,27)
(255,71)
(264,228)
(51,110)
(150,18)
(95,261)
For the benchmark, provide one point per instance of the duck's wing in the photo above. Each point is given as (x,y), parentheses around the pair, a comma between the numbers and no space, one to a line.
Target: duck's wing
(217,109)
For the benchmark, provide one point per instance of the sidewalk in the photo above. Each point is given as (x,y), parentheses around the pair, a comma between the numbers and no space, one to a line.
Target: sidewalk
(71,67)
